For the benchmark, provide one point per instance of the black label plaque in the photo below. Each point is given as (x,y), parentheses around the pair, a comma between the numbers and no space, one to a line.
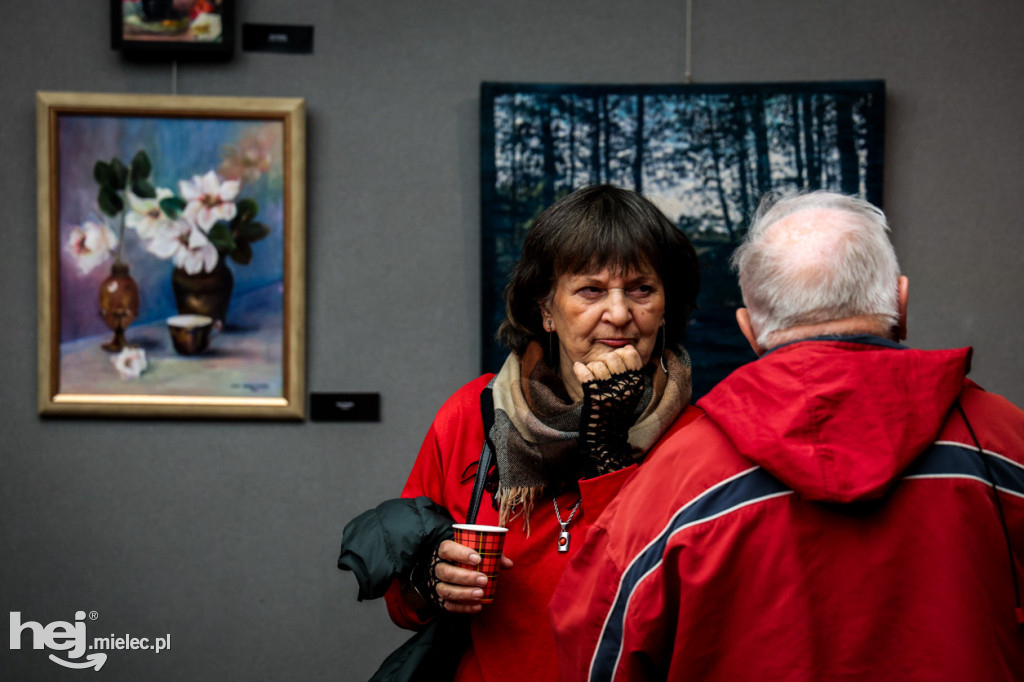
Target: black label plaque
(284,38)
(344,407)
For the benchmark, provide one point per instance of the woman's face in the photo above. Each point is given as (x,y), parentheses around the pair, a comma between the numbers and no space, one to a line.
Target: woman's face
(598,312)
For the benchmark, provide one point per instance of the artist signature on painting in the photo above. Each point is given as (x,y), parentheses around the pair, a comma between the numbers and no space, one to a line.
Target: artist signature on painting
(252,387)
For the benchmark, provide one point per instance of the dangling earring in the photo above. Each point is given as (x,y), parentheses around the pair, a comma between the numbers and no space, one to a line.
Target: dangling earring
(551,349)
(664,345)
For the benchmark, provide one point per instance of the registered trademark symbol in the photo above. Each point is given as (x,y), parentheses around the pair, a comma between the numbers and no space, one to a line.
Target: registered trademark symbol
(93,615)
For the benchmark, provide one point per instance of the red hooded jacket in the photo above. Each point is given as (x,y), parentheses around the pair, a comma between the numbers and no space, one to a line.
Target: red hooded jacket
(828,518)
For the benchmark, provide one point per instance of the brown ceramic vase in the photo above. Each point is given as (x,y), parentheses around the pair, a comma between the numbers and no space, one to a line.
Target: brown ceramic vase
(205,293)
(119,304)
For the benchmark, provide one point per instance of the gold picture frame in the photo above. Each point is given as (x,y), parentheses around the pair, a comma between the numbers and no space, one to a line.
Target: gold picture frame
(144,202)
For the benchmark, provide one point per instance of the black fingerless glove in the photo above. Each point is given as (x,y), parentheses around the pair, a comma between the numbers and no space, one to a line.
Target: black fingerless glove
(423,579)
(608,411)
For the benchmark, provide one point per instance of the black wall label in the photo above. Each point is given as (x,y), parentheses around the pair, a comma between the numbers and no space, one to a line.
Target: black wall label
(290,39)
(344,407)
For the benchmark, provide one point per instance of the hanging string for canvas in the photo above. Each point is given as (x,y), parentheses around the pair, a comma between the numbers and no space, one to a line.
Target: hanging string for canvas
(689,21)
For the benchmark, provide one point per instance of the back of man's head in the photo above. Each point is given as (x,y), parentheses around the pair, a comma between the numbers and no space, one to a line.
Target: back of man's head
(814,258)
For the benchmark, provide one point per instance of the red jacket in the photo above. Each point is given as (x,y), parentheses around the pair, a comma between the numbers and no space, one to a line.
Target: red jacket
(511,637)
(829,518)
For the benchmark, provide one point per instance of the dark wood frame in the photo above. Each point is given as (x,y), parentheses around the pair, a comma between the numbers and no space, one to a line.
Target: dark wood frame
(155,49)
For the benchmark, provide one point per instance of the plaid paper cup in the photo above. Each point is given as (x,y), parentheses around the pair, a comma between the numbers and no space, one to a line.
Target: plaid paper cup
(486,541)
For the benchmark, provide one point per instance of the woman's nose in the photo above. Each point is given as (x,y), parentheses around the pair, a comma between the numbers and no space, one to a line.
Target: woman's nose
(617,311)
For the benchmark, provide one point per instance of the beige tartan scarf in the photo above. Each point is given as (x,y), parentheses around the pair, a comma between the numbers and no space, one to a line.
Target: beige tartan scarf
(536,425)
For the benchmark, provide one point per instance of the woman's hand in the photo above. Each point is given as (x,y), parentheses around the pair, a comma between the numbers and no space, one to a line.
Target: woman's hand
(612,390)
(616,361)
(458,589)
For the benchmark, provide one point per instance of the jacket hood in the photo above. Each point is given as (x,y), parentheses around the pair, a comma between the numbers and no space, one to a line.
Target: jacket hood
(837,419)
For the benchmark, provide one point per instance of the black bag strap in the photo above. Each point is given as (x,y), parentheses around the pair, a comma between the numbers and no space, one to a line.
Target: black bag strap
(486,455)
(432,653)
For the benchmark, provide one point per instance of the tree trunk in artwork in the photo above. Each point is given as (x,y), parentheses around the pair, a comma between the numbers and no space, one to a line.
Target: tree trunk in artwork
(514,213)
(638,160)
(737,128)
(810,112)
(798,153)
(849,164)
(757,122)
(548,145)
(822,149)
(713,142)
(595,141)
(606,139)
(571,171)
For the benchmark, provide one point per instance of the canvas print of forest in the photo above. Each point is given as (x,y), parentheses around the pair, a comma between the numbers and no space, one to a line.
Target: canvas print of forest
(705,154)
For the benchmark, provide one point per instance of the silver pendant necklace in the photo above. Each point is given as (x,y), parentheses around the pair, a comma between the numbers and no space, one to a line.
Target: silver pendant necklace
(563,537)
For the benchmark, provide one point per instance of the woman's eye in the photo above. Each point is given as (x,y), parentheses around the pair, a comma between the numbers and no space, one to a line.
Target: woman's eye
(590,291)
(642,291)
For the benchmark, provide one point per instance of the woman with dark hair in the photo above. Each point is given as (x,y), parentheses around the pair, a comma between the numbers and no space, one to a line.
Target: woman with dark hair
(596,311)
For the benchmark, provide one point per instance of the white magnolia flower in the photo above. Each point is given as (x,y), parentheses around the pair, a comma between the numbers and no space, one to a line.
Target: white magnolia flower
(90,244)
(198,255)
(206,27)
(169,238)
(146,217)
(130,363)
(186,245)
(208,199)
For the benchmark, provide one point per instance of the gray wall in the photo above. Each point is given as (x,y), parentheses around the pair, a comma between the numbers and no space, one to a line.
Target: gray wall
(225,535)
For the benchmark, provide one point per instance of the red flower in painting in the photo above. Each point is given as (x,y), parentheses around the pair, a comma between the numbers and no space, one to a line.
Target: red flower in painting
(201,7)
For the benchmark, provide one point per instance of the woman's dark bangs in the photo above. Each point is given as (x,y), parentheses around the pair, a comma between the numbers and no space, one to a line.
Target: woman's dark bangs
(616,246)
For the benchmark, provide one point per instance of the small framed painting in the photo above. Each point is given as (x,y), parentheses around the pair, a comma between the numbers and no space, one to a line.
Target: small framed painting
(173,29)
(171,256)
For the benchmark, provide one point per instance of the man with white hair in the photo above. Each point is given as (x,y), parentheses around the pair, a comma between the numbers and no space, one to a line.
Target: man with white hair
(846,508)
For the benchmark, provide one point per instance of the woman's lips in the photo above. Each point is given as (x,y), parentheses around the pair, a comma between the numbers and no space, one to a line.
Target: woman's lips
(616,343)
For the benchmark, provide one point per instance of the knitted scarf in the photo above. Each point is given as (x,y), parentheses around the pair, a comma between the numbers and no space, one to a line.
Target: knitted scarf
(536,425)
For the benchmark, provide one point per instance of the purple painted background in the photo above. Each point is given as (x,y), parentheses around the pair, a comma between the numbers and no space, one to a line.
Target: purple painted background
(178,150)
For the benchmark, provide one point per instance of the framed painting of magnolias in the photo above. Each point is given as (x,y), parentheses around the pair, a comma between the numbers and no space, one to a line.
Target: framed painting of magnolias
(171,256)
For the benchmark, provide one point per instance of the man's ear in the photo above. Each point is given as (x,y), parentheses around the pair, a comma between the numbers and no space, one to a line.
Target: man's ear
(904,289)
(743,320)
